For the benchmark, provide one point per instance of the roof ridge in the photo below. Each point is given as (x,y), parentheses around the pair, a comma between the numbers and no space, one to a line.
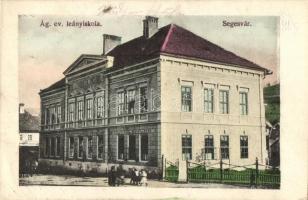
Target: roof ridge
(167,37)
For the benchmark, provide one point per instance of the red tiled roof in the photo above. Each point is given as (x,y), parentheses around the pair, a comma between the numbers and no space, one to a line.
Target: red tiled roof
(175,40)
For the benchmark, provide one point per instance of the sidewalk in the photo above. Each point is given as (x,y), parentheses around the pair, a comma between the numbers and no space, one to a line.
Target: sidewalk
(64,180)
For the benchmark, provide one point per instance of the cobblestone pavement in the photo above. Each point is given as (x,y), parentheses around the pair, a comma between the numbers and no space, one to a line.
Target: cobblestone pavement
(103,182)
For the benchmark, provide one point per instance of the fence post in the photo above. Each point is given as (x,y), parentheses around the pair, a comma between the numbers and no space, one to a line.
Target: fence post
(162,167)
(220,170)
(257,171)
(165,163)
(186,171)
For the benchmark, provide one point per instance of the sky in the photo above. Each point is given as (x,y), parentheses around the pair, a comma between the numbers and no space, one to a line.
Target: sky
(44,53)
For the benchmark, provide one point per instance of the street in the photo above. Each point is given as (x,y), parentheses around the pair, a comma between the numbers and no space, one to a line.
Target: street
(66,180)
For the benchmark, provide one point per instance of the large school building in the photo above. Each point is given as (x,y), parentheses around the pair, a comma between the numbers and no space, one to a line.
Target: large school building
(168,95)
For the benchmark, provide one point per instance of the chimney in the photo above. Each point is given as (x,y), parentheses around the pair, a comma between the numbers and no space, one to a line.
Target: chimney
(150,26)
(110,41)
(21,108)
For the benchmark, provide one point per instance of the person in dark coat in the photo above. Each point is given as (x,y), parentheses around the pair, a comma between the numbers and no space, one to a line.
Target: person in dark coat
(112,176)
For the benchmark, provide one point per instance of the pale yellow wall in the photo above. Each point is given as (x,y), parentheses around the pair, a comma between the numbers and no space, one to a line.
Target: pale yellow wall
(176,72)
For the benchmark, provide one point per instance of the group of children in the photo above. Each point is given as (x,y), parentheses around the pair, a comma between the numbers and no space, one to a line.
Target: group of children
(116,177)
(138,177)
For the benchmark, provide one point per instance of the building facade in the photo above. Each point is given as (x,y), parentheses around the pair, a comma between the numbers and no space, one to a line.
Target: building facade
(29,128)
(166,95)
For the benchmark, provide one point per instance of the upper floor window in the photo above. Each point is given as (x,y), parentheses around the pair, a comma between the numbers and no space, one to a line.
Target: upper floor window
(29,137)
(224,146)
(121,98)
(186,147)
(58,114)
(208,100)
(130,103)
(100,106)
(244,103)
(46,116)
(209,147)
(186,99)
(143,99)
(52,115)
(71,112)
(224,101)
(89,108)
(244,146)
(80,110)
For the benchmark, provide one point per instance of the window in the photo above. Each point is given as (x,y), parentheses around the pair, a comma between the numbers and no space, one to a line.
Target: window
(130,102)
(100,146)
(80,110)
(244,103)
(20,137)
(224,147)
(244,146)
(29,137)
(121,147)
(224,101)
(186,99)
(46,116)
(186,147)
(120,110)
(47,146)
(100,107)
(208,100)
(143,99)
(132,147)
(80,147)
(53,115)
(71,147)
(90,147)
(53,146)
(58,114)
(89,108)
(144,148)
(71,112)
(58,146)
(209,147)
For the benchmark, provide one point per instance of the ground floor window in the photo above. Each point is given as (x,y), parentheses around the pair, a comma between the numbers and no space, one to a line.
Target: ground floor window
(144,148)
(47,146)
(80,147)
(209,147)
(186,147)
(132,147)
(71,147)
(90,147)
(121,147)
(100,147)
(53,144)
(224,146)
(244,146)
(58,146)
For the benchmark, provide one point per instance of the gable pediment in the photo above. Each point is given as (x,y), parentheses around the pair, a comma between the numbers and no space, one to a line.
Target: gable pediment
(83,62)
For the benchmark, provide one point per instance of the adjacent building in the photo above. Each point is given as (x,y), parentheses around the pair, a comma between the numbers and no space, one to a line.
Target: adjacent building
(29,127)
(166,95)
